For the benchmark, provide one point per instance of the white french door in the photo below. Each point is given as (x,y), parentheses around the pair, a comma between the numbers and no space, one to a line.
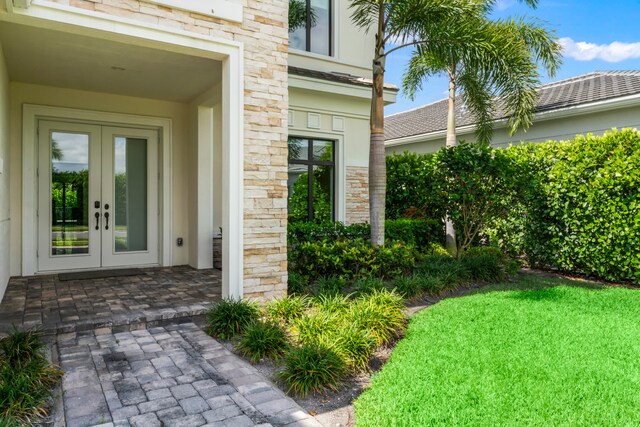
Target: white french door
(98,196)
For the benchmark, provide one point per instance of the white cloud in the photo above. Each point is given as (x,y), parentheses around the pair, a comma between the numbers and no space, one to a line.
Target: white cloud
(504,4)
(613,52)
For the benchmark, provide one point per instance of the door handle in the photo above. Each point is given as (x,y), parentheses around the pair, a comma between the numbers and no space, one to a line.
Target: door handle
(106,217)
(97,215)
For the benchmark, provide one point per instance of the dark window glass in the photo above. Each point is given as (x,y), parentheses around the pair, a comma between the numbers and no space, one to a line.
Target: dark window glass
(311,183)
(315,34)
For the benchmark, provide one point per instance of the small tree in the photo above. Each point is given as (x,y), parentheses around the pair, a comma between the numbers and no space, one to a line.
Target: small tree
(479,182)
(495,64)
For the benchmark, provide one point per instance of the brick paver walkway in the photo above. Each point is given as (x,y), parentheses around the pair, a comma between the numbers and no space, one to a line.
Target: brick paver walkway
(166,376)
(144,300)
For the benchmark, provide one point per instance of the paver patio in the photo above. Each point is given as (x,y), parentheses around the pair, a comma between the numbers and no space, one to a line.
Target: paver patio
(132,355)
(122,303)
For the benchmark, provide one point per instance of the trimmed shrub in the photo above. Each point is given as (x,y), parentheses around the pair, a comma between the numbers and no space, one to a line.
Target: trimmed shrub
(351,259)
(263,339)
(229,318)
(26,379)
(581,207)
(312,368)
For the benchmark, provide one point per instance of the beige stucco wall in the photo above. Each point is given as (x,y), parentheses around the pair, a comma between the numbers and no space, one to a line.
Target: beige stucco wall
(542,130)
(22,93)
(352,48)
(5,222)
(345,120)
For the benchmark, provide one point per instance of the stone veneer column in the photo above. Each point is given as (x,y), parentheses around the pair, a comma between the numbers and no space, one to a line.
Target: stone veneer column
(357,194)
(265,37)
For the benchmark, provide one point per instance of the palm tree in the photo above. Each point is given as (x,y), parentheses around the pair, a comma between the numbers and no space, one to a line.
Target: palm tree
(403,23)
(495,65)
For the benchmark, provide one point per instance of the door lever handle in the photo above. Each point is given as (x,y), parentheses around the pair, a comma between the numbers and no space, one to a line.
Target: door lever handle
(106,217)
(97,215)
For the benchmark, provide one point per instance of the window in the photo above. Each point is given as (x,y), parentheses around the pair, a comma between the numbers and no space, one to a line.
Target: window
(311,180)
(314,35)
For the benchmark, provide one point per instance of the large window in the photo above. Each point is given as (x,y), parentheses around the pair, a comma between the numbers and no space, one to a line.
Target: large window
(311,180)
(314,33)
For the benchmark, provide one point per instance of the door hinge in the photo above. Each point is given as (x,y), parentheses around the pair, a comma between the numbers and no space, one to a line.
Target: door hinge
(38,172)
(37,253)
(37,213)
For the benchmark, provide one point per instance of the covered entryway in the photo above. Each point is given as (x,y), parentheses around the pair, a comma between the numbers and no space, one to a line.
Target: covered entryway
(125,144)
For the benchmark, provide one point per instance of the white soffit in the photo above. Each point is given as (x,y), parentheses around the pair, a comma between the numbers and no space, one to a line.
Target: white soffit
(223,9)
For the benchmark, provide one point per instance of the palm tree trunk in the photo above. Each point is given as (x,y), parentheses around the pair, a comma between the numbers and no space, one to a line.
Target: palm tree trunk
(377,158)
(450,232)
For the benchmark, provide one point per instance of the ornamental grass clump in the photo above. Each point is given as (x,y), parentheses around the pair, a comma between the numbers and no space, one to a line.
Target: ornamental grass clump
(312,368)
(331,303)
(310,329)
(26,379)
(263,339)
(355,346)
(381,313)
(229,318)
(287,309)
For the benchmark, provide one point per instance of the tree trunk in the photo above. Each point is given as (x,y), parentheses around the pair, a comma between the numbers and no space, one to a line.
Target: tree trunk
(450,232)
(377,158)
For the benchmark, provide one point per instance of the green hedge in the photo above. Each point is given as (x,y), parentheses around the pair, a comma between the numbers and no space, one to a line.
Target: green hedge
(420,233)
(576,206)
(582,207)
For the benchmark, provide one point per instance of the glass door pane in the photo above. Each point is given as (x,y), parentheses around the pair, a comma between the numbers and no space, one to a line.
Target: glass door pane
(69,193)
(130,194)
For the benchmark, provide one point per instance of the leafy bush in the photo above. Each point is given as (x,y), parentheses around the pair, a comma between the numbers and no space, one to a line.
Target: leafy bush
(312,368)
(263,339)
(412,188)
(287,309)
(229,318)
(26,379)
(418,232)
(351,259)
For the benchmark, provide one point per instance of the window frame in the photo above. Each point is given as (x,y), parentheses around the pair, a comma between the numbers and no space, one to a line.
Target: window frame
(310,163)
(308,29)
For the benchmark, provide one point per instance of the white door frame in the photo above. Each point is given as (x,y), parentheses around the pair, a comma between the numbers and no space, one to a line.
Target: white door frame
(73,20)
(32,114)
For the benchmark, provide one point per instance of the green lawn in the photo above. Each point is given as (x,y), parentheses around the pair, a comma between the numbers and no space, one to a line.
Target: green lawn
(546,352)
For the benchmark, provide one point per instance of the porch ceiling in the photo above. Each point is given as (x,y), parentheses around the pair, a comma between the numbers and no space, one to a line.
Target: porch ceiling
(53,58)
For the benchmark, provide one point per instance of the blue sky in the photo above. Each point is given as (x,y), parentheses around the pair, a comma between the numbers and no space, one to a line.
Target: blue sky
(597,35)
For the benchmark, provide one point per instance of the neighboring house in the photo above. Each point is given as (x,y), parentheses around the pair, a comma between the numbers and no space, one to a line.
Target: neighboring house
(593,102)
(132,131)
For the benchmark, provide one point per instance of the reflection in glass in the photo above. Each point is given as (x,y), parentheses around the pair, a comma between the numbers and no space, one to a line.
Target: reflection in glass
(69,193)
(323,193)
(298,149)
(317,27)
(298,185)
(130,198)
(320,34)
(323,150)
